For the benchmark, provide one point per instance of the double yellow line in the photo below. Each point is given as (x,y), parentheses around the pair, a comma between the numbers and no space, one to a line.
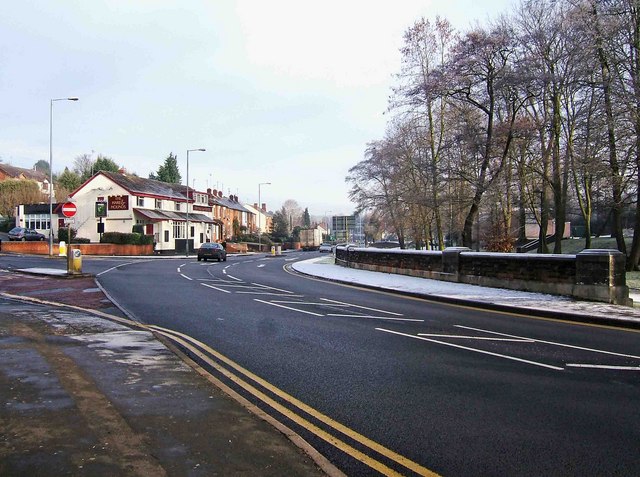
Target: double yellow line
(204,352)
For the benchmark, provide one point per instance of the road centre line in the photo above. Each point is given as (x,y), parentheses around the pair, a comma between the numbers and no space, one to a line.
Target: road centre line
(515,340)
(363,307)
(551,342)
(196,347)
(287,307)
(374,317)
(452,345)
(215,288)
(604,366)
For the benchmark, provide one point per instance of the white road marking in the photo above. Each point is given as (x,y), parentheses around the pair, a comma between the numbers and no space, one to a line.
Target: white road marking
(308,303)
(261,265)
(363,307)
(256,292)
(234,278)
(504,356)
(271,288)
(605,366)
(184,276)
(178,269)
(117,266)
(373,317)
(215,288)
(515,340)
(551,342)
(287,307)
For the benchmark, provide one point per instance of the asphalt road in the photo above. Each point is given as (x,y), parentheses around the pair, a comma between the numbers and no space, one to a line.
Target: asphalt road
(400,384)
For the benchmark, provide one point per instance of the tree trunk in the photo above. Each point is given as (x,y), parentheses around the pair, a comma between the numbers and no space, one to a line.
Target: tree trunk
(633,261)
(616,186)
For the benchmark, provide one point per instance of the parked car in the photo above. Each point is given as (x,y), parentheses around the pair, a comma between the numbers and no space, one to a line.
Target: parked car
(326,247)
(23,234)
(212,250)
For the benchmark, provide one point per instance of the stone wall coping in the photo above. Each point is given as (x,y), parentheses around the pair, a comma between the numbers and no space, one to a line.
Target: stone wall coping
(521,256)
(390,250)
(601,251)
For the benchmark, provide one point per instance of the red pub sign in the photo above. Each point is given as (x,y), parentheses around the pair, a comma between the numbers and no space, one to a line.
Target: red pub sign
(118,202)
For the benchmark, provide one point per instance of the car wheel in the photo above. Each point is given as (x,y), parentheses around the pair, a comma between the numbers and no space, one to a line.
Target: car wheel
(24,239)
(199,258)
(205,259)
(42,239)
(225,259)
(219,259)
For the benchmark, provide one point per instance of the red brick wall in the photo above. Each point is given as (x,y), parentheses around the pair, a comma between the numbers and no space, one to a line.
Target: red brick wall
(42,248)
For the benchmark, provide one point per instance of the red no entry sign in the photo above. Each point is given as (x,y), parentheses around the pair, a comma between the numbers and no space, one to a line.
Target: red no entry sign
(69,209)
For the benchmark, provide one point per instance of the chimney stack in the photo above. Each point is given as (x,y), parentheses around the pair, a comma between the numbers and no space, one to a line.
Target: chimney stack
(264,207)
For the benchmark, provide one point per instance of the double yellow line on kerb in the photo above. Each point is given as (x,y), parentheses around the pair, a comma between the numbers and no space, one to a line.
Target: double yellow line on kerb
(203,352)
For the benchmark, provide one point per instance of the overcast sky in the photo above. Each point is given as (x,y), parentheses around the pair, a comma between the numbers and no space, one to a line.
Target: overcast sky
(287,92)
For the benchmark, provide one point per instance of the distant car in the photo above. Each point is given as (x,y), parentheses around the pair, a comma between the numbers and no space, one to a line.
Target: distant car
(326,247)
(23,234)
(212,250)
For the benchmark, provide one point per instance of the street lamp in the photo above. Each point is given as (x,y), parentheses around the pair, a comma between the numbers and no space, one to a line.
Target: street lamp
(187,245)
(51,171)
(259,215)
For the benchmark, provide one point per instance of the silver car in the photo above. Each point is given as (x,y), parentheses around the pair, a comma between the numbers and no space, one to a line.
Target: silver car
(326,247)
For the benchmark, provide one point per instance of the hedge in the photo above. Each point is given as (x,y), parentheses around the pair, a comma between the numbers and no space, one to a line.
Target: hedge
(126,239)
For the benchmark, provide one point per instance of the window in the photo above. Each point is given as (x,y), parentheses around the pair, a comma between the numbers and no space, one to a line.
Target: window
(166,235)
(202,199)
(158,204)
(37,221)
(179,230)
(140,201)
(178,206)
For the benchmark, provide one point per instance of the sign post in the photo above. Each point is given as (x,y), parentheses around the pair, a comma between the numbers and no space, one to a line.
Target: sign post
(69,210)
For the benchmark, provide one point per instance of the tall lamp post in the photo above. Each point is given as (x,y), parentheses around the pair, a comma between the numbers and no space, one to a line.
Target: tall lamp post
(51,170)
(187,237)
(260,215)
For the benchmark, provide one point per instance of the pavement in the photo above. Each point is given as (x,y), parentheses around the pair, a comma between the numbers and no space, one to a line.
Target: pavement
(84,391)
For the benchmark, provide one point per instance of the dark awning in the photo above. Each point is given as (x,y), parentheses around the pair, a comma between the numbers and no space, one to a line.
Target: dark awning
(158,215)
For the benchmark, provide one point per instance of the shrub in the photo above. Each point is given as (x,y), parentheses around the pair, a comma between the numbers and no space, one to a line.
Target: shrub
(81,240)
(63,234)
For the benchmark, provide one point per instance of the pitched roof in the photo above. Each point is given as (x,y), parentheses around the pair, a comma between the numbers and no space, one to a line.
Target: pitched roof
(17,172)
(230,204)
(141,186)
